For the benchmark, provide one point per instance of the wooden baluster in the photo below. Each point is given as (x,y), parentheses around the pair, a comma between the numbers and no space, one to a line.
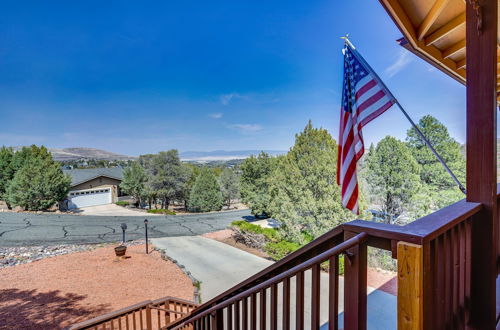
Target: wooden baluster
(355,286)
(229,311)
(219,319)
(253,312)
(286,303)
(244,314)
(237,315)
(315,296)
(333,296)
(263,310)
(274,307)
(299,300)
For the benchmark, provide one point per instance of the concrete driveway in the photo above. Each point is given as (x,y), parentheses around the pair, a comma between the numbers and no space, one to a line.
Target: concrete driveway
(112,210)
(219,267)
(27,229)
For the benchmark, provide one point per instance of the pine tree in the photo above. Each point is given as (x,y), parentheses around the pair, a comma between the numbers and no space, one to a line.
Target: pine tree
(6,169)
(134,181)
(393,176)
(305,197)
(254,182)
(38,184)
(439,184)
(230,185)
(206,194)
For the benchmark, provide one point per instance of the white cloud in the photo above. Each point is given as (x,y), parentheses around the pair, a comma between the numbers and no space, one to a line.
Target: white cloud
(403,59)
(246,128)
(216,115)
(225,99)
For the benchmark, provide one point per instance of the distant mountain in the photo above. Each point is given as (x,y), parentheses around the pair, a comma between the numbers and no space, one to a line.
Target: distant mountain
(66,154)
(224,154)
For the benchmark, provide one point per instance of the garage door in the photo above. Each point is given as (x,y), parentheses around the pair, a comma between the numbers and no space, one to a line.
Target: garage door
(84,198)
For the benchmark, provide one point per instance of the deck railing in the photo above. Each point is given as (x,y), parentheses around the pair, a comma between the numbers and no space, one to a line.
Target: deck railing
(434,281)
(434,268)
(145,315)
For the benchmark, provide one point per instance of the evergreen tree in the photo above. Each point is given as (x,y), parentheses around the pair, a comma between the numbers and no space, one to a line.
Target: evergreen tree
(439,185)
(6,169)
(230,185)
(134,181)
(393,175)
(38,184)
(433,173)
(206,194)
(305,197)
(254,182)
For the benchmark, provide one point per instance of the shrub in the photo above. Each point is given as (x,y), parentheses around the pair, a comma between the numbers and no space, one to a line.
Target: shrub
(279,250)
(122,203)
(162,211)
(270,233)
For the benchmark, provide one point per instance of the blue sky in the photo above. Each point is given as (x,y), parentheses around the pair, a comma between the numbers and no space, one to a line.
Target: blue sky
(142,76)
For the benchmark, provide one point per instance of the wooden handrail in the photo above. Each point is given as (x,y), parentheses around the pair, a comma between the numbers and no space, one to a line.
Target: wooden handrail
(109,316)
(342,247)
(322,243)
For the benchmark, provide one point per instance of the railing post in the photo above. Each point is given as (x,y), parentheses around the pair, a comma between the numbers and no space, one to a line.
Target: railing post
(410,286)
(355,286)
(149,324)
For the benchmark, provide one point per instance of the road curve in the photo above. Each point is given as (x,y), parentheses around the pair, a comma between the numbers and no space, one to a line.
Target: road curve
(23,229)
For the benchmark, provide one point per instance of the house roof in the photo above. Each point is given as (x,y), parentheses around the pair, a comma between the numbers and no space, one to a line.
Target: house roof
(79,176)
(435,30)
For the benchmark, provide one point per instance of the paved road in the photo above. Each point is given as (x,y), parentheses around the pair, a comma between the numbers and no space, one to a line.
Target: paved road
(22,229)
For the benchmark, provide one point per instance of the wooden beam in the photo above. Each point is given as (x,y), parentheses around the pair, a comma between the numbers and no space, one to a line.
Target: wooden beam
(482,160)
(410,286)
(462,63)
(431,17)
(453,49)
(445,29)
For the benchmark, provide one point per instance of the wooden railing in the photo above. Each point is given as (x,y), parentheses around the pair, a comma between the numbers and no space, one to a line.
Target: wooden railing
(145,315)
(434,277)
(259,305)
(434,269)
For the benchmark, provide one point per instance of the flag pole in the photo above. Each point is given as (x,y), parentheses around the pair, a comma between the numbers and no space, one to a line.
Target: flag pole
(419,132)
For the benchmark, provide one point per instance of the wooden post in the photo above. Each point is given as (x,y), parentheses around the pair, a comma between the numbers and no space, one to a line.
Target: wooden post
(149,323)
(410,286)
(355,294)
(481,37)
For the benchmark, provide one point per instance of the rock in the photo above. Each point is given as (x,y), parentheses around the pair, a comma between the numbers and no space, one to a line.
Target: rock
(3,206)
(18,209)
(53,208)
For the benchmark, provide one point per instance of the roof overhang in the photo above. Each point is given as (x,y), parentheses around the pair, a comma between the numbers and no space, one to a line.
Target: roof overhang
(435,31)
(93,178)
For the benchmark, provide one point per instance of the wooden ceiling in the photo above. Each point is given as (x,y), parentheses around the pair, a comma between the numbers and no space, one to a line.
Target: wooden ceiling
(435,29)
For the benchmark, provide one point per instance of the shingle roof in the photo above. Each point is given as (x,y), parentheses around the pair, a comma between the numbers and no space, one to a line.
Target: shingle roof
(79,176)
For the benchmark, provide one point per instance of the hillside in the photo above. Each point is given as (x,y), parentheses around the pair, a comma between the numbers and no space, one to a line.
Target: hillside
(224,154)
(67,154)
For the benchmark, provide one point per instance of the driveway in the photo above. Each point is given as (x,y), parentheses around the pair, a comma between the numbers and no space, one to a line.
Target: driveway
(112,210)
(219,267)
(25,229)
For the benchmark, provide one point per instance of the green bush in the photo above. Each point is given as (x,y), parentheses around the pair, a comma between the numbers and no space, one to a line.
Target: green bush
(270,233)
(162,211)
(122,203)
(279,250)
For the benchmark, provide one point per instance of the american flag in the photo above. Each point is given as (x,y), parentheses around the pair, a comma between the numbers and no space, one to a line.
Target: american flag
(364,98)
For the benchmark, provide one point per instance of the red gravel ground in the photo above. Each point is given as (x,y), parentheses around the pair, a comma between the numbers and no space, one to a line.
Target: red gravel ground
(56,292)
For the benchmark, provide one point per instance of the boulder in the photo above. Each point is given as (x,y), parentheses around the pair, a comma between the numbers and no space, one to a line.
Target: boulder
(18,209)
(3,206)
(53,208)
